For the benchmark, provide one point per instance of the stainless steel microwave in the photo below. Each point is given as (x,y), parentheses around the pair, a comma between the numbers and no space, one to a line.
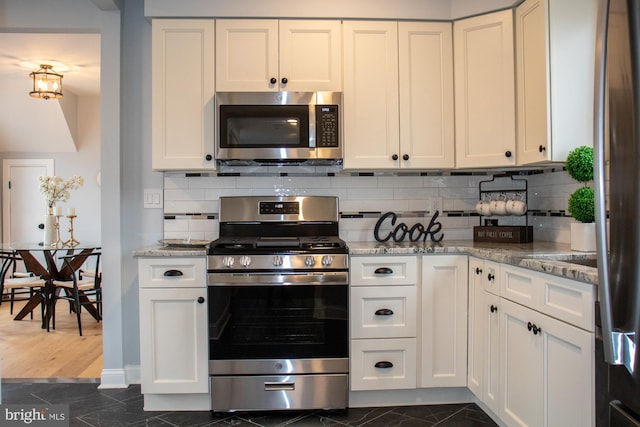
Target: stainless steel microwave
(286,126)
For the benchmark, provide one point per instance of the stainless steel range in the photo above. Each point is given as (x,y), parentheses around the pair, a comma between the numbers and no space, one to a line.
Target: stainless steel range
(278,305)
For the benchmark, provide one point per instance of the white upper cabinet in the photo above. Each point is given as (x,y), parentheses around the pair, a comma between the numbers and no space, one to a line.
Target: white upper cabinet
(555,56)
(182,94)
(398,95)
(260,55)
(370,103)
(485,91)
(426,95)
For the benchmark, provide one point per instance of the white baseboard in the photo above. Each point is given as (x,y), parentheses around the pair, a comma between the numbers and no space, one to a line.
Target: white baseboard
(113,378)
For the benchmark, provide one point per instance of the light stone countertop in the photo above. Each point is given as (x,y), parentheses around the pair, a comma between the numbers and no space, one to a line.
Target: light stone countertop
(547,257)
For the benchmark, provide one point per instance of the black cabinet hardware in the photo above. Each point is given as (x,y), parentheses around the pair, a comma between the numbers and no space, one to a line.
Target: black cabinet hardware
(383,270)
(507,154)
(200,300)
(533,328)
(384,312)
(478,270)
(405,157)
(490,277)
(285,81)
(209,157)
(493,308)
(383,364)
(273,80)
(394,157)
(542,148)
(172,273)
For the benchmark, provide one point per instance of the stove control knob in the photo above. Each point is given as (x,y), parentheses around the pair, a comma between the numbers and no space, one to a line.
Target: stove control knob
(278,261)
(310,261)
(327,260)
(228,261)
(245,261)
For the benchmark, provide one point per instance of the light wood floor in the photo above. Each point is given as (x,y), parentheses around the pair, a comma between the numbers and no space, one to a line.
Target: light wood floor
(27,351)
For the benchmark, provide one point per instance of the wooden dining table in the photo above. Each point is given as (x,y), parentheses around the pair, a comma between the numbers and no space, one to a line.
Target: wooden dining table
(49,271)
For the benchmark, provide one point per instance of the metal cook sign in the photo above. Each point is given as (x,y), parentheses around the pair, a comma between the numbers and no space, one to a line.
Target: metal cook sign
(399,232)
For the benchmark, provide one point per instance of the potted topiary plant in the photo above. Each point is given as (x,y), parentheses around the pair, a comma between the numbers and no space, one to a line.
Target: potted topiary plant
(579,166)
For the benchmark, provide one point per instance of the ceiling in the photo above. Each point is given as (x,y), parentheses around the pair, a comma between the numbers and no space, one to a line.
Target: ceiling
(76,57)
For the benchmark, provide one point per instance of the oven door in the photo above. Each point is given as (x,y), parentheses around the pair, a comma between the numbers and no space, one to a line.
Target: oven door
(265,132)
(262,321)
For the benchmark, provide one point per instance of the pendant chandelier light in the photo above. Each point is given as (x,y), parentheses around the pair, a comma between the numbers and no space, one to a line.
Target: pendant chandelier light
(46,83)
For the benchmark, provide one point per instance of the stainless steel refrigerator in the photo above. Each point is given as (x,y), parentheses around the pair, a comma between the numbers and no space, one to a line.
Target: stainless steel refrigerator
(617,185)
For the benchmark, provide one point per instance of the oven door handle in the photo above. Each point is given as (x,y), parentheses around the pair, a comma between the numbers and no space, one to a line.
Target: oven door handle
(276,386)
(272,279)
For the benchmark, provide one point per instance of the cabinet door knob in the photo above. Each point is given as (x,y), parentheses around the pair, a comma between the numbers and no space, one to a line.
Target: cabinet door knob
(394,157)
(533,328)
(490,277)
(200,300)
(507,154)
(383,364)
(478,270)
(542,148)
(285,80)
(208,157)
(493,308)
(273,80)
(384,312)
(405,157)
(383,270)
(172,273)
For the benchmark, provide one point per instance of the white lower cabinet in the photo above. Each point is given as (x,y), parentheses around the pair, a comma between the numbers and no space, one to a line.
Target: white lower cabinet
(531,345)
(383,303)
(173,322)
(547,370)
(408,330)
(443,358)
(483,368)
(174,349)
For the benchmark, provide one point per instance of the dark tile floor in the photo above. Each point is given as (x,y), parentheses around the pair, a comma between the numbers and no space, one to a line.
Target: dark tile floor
(123,407)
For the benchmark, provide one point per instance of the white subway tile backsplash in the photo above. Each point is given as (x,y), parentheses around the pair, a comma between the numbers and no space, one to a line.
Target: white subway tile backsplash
(381,192)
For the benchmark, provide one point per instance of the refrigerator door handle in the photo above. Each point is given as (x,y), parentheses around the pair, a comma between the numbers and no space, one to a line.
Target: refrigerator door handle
(604,289)
(624,350)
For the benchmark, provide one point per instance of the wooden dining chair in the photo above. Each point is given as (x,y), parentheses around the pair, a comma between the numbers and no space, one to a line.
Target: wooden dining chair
(79,291)
(19,286)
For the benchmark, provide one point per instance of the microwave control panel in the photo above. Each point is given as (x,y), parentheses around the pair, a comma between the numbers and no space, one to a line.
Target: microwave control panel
(327,126)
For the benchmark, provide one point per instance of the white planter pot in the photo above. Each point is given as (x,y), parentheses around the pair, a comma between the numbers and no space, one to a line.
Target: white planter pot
(583,236)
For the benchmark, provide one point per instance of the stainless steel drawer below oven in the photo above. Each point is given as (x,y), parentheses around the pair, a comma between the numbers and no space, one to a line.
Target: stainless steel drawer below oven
(255,393)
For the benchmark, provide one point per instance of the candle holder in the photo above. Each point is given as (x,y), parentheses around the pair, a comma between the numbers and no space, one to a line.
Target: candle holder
(72,241)
(58,243)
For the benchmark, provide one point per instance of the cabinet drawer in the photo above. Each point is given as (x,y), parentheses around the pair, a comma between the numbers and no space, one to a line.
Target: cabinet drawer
(171,272)
(383,364)
(378,312)
(383,271)
(567,300)
(517,285)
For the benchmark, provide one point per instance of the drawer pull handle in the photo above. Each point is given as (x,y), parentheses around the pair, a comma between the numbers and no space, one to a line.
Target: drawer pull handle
(273,386)
(383,270)
(173,273)
(383,364)
(384,312)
